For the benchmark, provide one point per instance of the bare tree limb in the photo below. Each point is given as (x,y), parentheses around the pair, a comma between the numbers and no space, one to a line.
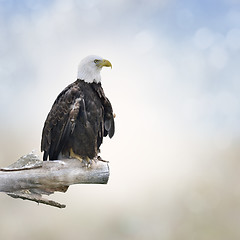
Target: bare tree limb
(29,177)
(36,198)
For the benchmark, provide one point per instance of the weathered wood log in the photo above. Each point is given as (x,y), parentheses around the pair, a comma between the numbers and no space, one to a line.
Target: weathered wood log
(29,177)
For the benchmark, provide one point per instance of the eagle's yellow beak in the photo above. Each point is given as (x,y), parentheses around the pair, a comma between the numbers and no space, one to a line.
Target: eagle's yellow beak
(104,63)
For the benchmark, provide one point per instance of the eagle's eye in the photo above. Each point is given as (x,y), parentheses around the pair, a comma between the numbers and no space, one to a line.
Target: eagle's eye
(95,61)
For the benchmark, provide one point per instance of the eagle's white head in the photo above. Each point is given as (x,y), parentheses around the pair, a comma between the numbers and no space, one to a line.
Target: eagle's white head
(90,67)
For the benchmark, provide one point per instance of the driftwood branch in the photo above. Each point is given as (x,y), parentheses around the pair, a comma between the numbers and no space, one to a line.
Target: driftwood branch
(29,177)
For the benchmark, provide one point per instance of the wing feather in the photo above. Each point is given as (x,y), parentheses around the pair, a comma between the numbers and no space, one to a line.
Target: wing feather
(60,122)
(109,125)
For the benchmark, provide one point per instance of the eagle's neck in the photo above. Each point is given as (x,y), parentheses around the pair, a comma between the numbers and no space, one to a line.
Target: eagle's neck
(88,74)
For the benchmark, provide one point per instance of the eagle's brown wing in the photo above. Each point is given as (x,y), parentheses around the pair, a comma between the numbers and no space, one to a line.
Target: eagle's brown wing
(109,126)
(60,121)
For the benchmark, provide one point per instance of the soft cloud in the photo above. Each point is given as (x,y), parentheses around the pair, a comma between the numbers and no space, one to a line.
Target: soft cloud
(233,39)
(204,38)
(218,57)
(144,42)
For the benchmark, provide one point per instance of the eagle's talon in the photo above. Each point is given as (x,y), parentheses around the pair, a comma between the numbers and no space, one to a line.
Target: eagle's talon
(87,163)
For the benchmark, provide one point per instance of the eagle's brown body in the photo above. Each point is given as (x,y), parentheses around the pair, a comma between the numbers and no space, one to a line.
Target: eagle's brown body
(79,119)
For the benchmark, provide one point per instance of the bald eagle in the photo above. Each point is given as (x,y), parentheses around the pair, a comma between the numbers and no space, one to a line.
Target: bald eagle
(80,116)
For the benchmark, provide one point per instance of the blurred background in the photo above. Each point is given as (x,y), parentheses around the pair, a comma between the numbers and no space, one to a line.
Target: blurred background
(174,86)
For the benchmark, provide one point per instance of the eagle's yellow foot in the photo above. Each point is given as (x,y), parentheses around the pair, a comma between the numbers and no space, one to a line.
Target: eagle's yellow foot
(74,155)
(87,162)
